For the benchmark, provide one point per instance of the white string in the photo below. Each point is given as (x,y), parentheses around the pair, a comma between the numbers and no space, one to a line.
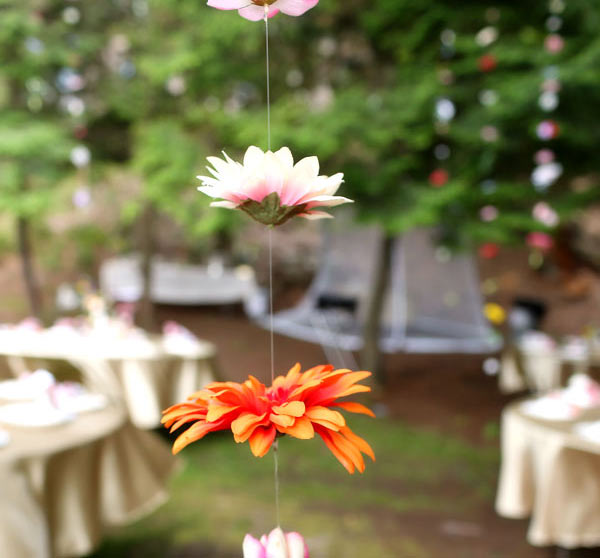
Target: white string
(268,78)
(271,329)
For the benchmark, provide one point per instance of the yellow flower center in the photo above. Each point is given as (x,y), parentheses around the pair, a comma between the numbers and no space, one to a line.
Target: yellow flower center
(263,2)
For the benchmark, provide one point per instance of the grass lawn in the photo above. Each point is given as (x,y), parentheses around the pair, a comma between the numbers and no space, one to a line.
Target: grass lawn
(223,492)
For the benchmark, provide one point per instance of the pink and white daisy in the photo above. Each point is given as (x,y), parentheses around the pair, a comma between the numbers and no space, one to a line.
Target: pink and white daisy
(276,545)
(255,10)
(270,187)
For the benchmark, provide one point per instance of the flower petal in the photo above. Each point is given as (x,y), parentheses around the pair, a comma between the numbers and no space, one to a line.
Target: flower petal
(285,157)
(291,408)
(295,7)
(254,157)
(261,441)
(252,548)
(352,407)
(296,546)
(314,215)
(253,12)
(301,429)
(224,204)
(245,425)
(276,544)
(227,4)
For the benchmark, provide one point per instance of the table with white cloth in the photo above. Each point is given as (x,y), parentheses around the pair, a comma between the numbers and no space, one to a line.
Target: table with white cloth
(61,486)
(551,473)
(541,370)
(147,373)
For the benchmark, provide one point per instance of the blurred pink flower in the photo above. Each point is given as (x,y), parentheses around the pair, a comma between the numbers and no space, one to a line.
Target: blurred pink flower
(270,187)
(543,213)
(254,10)
(276,545)
(540,241)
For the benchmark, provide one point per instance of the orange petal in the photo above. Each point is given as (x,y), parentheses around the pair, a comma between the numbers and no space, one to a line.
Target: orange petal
(341,457)
(215,412)
(304,387)
(294,373)
(349,450)
(359,442)
(291,408)
(243,426)
(185,419)
(192,434)
(255,385)
(323,413)
(261,440)
(302,429)
(355,408)
(282,420)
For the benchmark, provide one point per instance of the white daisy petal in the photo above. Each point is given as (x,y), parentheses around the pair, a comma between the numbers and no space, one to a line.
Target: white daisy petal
(308,166)
(224,204)
(285,157)
(209,191)
(254,157)
(314,215)
(329,201)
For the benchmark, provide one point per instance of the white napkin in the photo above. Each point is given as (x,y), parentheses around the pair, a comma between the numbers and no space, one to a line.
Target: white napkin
(177,339)
(73,398)
(4,438)
(582,392)
(27,387)
(550,407)
(588,430)
(33,414)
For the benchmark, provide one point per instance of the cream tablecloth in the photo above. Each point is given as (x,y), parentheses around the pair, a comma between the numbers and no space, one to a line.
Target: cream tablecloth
(539,371)
(147,374)
(553,475)
(61,486)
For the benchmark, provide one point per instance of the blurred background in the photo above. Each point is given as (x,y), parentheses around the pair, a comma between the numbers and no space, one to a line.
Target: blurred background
(465,276)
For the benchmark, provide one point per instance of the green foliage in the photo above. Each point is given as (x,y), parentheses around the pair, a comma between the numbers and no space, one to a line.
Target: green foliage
(169,82)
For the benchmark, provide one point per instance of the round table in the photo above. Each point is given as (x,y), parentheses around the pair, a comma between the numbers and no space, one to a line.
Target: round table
(552,474)
(61,486)
(147,374)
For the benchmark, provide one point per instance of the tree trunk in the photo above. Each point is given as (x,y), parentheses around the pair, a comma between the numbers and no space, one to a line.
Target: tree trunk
(31,284)
(148,222)
(371,357)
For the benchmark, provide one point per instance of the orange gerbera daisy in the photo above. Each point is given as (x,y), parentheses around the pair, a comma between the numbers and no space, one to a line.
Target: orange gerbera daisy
(298,404)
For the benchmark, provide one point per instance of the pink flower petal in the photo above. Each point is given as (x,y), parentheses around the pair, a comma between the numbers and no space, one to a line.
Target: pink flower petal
(295,7)
(253,548)
(296,546)
(227,4)
(256,13)
(276,544)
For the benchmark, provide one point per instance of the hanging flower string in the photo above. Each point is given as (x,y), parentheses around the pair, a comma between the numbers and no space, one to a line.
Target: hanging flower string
(270,187)
(298,404)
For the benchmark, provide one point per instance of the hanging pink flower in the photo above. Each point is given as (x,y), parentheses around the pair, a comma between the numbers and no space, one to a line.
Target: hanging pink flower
(276,545)
(254,10)
(270,187)
(540,241)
